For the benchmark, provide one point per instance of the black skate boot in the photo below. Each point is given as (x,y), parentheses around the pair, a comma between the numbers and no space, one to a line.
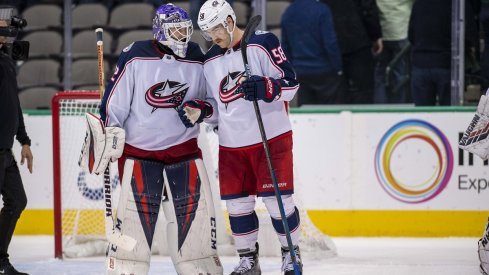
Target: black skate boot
(248,264)
(287,266)
(6,268)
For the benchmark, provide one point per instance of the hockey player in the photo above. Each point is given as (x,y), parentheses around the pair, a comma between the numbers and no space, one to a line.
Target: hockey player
(476,140)
(161,162)
(243,171)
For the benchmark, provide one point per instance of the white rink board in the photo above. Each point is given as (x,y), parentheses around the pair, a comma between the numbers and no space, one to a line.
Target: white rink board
(334,162)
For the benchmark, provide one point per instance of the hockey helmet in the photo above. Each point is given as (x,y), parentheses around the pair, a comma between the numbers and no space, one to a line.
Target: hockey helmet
(173,28)
(214,13)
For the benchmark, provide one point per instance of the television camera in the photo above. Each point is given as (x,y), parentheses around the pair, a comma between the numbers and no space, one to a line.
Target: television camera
(16,49)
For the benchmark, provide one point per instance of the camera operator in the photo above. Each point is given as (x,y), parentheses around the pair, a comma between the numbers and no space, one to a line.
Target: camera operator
(11,124)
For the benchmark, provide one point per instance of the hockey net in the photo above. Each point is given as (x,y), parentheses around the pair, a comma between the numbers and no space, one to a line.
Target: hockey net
(79,199)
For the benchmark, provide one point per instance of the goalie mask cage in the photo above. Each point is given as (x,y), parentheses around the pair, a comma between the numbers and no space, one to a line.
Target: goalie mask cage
(79,229)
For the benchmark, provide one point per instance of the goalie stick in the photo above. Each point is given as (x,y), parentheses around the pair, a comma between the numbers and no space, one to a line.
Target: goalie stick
(249,30)
(113,236)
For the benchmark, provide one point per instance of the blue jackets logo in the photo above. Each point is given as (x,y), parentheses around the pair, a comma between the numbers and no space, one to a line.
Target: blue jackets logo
(228,88)
(168,94)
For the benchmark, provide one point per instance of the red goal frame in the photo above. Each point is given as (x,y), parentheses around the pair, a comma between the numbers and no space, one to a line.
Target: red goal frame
(58,234)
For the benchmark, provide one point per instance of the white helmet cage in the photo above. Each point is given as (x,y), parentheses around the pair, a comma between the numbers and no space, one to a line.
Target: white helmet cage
(183,30)
(213,13)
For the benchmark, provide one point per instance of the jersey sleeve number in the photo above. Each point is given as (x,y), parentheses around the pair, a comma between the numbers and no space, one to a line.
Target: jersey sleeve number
(279,55)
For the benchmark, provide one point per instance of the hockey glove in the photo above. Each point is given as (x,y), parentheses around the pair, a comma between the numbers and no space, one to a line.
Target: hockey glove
(476,137)
(194,111)
(261,88)
(102,145)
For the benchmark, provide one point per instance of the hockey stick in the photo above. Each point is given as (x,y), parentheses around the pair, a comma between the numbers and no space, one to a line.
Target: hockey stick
(250,29)
(113,236)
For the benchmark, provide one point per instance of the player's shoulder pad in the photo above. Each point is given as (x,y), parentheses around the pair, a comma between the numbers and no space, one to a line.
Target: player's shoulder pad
(194,52)
(265,39)
(213,52)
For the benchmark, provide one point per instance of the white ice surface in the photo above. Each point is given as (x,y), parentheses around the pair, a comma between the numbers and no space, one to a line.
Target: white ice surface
(359,256)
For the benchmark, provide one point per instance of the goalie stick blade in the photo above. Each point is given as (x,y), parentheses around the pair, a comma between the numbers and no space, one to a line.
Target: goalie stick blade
(125,242)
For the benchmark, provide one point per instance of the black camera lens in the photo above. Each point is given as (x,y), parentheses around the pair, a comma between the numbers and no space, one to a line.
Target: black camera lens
(18,22)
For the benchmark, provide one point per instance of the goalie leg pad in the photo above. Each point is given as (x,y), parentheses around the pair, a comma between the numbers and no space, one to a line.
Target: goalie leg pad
(484,251)
(102,144)
(191,228)
(137,214)
(126,267)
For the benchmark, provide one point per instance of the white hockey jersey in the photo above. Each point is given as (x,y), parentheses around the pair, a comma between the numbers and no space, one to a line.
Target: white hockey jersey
(223,69)
(147,87)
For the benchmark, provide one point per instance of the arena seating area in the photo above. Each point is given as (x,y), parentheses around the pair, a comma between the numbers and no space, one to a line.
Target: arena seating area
(123,21)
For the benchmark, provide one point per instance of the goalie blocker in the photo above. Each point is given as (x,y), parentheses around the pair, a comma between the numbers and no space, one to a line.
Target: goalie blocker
(475,138)
(102,144)
(184,191)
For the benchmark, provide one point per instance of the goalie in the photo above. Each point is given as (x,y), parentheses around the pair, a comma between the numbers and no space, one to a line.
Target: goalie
(475,140)
(160,162)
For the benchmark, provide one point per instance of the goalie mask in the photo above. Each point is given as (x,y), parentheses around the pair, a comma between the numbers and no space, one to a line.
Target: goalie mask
(213,15)
(172,27)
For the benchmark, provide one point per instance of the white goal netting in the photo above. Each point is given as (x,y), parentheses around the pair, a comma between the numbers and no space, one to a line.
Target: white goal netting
(79,199)
(78,196)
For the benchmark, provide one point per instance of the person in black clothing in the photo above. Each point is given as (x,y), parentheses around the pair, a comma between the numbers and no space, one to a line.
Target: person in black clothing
(314,54)
(484,20)
(359,35)
(11,187)
(430,35)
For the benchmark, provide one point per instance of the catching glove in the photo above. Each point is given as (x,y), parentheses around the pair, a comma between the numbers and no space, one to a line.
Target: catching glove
(194,111)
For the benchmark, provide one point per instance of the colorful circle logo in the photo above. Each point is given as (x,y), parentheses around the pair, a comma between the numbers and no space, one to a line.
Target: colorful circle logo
(415,189)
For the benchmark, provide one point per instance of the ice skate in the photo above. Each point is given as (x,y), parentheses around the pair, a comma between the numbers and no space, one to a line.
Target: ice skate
(248,264)
(287,266)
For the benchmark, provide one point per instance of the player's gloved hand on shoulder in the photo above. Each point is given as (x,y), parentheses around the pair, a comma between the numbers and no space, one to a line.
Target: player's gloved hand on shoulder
(261,88)
(194,111)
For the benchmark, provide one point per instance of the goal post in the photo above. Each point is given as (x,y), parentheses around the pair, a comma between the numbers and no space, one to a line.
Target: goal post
(73,105)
